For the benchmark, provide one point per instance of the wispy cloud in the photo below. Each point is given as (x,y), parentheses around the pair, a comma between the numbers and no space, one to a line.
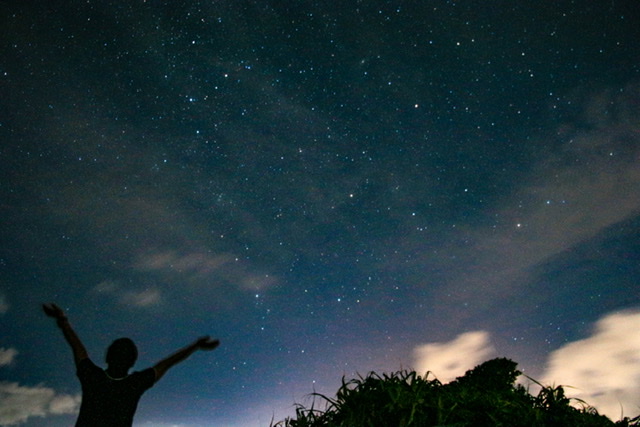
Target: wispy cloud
(142,298)
(195,270)
(604,368)
(140,211)
(588,182)
(19,403)
(145,297)
(449,360)
(203,268)
(7,355)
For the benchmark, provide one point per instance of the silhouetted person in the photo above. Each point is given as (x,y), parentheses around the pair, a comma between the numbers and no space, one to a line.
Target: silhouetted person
(110,396)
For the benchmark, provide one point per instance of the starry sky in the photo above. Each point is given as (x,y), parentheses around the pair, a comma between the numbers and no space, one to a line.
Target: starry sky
(329,188)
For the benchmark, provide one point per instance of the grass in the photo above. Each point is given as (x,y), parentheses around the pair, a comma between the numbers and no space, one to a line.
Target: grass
(485,396)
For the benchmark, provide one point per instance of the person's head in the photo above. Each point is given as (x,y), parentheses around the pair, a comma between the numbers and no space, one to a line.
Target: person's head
(122,354)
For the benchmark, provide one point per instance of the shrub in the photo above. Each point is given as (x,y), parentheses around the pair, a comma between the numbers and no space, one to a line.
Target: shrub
(485,396)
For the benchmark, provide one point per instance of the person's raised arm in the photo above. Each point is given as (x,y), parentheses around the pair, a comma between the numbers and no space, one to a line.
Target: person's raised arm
(204,343)
(55,312)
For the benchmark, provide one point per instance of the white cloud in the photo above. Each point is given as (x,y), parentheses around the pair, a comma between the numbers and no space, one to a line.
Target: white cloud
(603,369)
(65,404)
(18,403)
(7,355)
(449,360)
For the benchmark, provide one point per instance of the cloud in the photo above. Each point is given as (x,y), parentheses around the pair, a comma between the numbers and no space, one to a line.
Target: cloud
(193,265)
(197,269)
(7,355)
(603,369)
(143,298)
(593,184)
(449,360)
(138,298)
(202,267)
(18,403)
(588,181)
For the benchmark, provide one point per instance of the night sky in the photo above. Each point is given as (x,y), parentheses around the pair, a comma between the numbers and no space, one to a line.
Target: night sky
(329,188)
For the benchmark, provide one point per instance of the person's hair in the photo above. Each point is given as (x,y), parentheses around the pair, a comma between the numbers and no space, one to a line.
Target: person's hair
(122,353)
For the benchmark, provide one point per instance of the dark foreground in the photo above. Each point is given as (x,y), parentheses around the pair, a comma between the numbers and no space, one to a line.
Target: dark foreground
(485,396)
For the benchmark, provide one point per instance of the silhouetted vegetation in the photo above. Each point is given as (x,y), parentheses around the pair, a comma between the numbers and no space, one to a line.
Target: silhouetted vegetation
(485,396)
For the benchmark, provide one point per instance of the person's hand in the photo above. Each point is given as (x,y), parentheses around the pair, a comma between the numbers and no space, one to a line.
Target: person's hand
(206,343)
(54,311)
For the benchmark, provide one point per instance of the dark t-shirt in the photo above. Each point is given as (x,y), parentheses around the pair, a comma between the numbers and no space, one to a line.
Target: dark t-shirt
(107,402)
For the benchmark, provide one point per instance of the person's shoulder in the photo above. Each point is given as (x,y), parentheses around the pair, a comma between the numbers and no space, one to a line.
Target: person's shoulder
(87,363)
(147,376)
(86,366)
